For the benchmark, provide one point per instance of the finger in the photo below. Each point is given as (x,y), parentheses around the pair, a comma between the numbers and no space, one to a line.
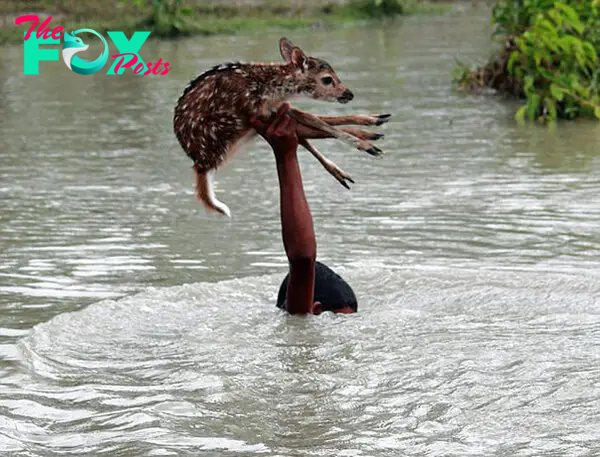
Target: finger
(282,112)
(258,125)
(285,126)
(283,109)
(290,124)
(293,123)
(278,123)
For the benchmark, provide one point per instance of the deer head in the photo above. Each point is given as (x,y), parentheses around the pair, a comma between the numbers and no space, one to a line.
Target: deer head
(315,77)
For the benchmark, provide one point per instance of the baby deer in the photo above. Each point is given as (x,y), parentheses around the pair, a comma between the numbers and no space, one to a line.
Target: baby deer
(211,118)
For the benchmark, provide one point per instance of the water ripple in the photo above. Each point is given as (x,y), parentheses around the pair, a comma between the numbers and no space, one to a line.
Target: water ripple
(431,353)
(472,245)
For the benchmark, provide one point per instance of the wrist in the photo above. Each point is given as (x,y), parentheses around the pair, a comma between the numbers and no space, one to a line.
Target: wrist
(287,150)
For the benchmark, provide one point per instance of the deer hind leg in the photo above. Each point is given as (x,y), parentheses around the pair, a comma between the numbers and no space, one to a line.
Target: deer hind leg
(313,121)
(357,119)
(206,194)
(331,167)
(204,177)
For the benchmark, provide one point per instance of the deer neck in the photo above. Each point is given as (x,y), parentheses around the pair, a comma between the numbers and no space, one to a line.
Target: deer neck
(280,81)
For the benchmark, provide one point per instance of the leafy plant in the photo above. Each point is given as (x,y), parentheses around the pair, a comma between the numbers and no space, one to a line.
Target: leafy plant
(167,16)
(558,65)
(376,9)
(551,57)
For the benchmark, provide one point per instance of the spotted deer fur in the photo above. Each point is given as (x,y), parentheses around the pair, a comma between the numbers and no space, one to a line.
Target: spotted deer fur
(212,116)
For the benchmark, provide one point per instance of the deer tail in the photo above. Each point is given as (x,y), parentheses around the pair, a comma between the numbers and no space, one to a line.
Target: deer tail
(206,194)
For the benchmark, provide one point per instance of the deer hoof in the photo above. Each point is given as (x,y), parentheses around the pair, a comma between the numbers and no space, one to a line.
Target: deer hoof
(341,176)
(374,151)
(376,136)
(382,119)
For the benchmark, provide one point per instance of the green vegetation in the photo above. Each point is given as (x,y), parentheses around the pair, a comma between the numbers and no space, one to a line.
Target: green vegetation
(385,9)
(376,8)
(171,18)
(166,17)
(550,57)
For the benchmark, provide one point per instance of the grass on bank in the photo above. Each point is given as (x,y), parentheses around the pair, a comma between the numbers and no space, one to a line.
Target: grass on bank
(173,18)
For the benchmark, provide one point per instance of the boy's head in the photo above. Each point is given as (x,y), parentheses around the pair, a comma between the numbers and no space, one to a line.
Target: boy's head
(332,293)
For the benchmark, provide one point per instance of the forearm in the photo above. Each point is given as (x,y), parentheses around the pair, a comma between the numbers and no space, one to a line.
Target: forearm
(296,220)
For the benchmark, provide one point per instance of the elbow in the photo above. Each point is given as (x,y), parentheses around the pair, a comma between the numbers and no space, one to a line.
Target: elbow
(303,259)
(303,252)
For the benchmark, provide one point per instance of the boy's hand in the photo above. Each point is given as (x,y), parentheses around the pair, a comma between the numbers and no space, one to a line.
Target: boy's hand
(281,132)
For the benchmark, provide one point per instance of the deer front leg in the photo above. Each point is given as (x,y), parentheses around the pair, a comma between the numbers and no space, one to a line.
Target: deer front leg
(331,167)
(313,121)
(357,119)
(305,131)
(363,134)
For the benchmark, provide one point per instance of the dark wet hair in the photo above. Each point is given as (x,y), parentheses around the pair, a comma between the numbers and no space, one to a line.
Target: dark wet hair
(330,290)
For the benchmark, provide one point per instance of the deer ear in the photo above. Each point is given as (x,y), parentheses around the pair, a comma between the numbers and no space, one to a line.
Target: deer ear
(285,48)
(298,58)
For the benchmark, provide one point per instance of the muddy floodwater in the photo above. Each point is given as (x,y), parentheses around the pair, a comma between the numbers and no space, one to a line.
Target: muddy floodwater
(132,323)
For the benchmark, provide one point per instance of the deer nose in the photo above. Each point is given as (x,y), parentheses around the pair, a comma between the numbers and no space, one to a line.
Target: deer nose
(346,96)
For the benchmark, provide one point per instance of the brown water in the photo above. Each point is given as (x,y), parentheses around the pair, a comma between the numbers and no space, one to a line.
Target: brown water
(132,323)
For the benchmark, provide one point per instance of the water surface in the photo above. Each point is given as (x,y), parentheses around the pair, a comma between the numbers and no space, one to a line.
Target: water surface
(133,323)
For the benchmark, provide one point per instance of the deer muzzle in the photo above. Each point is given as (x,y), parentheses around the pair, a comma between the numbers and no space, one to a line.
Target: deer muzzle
(346,96)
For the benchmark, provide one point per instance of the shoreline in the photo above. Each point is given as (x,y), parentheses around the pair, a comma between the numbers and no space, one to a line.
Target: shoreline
(222,20)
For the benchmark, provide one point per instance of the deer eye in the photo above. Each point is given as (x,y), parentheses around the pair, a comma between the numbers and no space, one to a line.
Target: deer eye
(327,80)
